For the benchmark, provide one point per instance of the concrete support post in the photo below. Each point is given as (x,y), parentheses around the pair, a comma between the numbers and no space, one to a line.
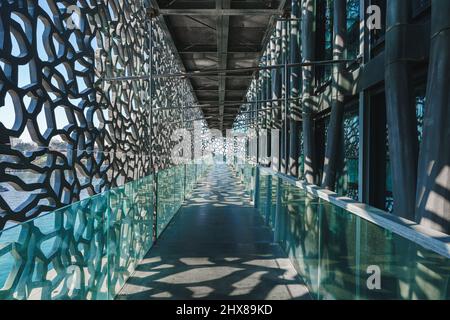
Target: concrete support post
(285,74)
(433,187)
(295,76)
(401,116)
(275,47)
(268,89)
(256,122)
(257,187)
(333,151)
(265,114)
(275,142)
(307,103)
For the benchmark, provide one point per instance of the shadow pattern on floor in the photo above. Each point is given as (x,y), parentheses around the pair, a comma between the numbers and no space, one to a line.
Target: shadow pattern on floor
(217,247)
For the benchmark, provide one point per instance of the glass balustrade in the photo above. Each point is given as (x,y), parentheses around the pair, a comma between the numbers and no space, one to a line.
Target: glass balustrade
(88,249)
(336,252)
(246,175)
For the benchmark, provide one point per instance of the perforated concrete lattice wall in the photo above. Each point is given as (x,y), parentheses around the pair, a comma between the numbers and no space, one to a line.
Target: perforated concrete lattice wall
(65,132)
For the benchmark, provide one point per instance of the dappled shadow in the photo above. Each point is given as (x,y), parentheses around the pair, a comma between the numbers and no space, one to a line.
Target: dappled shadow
(252,277)
(217,247)
(343,245)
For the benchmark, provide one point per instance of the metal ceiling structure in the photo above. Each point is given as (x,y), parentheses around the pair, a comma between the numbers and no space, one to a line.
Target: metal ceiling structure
(216,35)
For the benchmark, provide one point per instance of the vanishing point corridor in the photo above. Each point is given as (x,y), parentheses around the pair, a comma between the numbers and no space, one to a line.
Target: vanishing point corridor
(224,150)
(216,247)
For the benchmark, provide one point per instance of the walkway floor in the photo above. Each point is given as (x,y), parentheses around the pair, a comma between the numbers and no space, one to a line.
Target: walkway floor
(216,247)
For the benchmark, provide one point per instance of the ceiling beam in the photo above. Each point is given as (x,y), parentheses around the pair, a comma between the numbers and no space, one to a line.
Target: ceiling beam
(210,4)
(227,90)
(165,29)
(271,25)
(251,76)
(244,50)
(215,102)
(219,12)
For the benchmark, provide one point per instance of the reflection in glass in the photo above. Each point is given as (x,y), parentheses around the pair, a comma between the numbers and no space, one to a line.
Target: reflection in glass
(332,249)
(88,249)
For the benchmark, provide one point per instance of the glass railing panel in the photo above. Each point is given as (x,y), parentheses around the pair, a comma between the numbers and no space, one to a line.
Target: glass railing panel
(266,197)
(165,199)
(88,249)
(336,252)
(179,181)
(351,248)
(60,255)
(130,229)
(297,228)
(249,180)
(261,197)
(246,175)
(171,190)
(190,178)
(270,217)
(408,270)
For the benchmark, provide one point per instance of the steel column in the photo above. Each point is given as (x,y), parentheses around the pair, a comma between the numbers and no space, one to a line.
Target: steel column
(433,187)
(294,141)
(307,33)
(333,147)
(275,47)
(285,123)
(401,115)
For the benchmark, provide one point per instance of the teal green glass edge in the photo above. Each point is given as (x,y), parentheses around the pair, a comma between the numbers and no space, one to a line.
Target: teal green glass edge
(88,249)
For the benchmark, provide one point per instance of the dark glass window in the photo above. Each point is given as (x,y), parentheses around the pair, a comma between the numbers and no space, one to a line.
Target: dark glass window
(324,39)
(352,29)
(301,159)
(378,35)
(321,131)
(419,6)
(328,49)
(420,111)
(377,142)
(389,204)
(347,182)
(325,35)
(420,99)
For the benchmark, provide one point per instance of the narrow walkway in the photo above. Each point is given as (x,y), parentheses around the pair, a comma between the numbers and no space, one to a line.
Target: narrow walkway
(217,247)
